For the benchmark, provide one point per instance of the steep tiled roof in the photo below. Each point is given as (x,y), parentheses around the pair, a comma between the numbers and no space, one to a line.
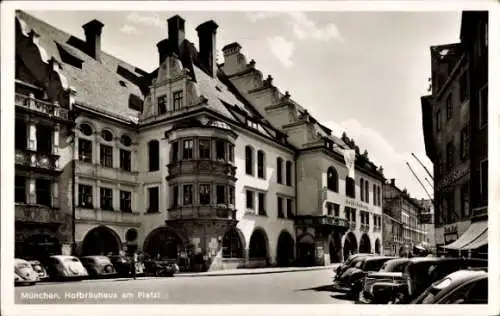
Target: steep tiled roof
(97,83)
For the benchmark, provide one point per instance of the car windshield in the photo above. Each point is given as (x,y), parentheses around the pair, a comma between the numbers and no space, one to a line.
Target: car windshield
(394,266)
(70,260)
(22,265)
(430,295)
(103,260)
(373,265)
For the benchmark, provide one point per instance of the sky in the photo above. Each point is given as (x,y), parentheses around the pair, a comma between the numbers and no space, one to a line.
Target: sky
(359,72)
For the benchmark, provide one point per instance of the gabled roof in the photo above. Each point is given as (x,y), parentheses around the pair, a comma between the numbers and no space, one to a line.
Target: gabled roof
(106,86)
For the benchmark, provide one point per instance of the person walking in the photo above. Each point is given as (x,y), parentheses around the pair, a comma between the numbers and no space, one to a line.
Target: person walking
(133,263)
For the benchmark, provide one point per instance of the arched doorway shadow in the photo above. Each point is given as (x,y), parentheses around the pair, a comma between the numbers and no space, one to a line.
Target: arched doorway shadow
(377,246)
(335,248)
(163,243)
(350,245)
(258,247)
(305,250)
(285,249)
(101,241)
(365,244)
(232,244)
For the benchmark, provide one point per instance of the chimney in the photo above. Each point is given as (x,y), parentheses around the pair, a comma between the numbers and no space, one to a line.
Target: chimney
(175,33)
(93,38)
(163,50)
(208,49)
(393,182)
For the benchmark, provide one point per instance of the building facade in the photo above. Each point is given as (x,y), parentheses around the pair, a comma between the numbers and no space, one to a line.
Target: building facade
(402,228)
(454,137)
(206,164)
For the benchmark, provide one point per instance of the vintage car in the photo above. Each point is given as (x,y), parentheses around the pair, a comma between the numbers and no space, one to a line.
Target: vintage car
(98,266)
(24,273)
(351,281)
(65,267)
(40,269)
(460,287)
(379,286)
(161,267)
(349,262)
(123,265)
(420,273)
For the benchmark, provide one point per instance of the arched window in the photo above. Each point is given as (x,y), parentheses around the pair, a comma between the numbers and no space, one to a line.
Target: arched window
(86,129)
(367,192)
(279,170)
(231,245)
(125,141)
(332,180)
(248,160)
(154,155)
(350,187)
(107,135)
(362,188)
(261,164)
(288,173)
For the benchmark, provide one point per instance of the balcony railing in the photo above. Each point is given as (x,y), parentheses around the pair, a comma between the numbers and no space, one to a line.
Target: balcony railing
(198,167)
(33,159)
(202,212)
(51,109)
(106,216)
(38,214)
(364,227)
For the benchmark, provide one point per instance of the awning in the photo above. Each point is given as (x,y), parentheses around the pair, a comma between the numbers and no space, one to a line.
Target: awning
(471,234)
(480,241)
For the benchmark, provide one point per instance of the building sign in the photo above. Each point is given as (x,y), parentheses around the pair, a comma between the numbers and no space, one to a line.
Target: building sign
(457,173)
(357,204)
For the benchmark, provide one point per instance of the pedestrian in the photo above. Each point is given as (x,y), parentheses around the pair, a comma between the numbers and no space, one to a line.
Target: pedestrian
(133,263)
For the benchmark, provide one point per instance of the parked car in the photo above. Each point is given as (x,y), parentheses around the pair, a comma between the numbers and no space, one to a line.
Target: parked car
(349,262)
(123,266)
(66,267)
(161,267)
(24,273)
(40,269)
(351,281)
(420,273)
(460,287)
(379,286)
(98,266)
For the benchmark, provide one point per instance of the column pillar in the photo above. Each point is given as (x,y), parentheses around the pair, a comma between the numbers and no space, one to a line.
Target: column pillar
(32,142)
(55,138)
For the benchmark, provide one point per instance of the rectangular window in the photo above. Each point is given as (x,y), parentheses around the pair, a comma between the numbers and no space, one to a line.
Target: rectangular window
(204,148)
(260,164)
(43,192)
(289,208)
(374,194)
(187,194)
(106,199)
(367,192)
(44,139)
(484,180)
(279,170)
(250,200)
(187,149)
(464,142)
(483,106)
(262,203)
(438,120)
(221,194)
(20,189)
(85,199)
(281,213)
(85,150)
(336,210)
(449,156)
(162,104)
(125,160)
(449,107)
(288,173)
(231,153)
(106,156)
(347,212)
(329,209)
(464,86)
(177,100)
(231,195)
(154,199)
(154,155)
(174,153)
(204,194)
(220,150)
(21,134)
(175,196)
(126,201)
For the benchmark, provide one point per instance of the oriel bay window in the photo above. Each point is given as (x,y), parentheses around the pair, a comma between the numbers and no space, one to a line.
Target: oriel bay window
(85,150)
(174,152)
(44,139)
(204,148)
(187,194)
(231,195)
(43,192)
(231,153)
(106,199)
(175,196)
(221,194)
(187,149)
(85,198)
(125,201)
(220,150)
(205,194)
(20,189)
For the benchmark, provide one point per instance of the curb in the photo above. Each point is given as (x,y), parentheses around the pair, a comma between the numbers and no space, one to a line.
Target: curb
(243,272)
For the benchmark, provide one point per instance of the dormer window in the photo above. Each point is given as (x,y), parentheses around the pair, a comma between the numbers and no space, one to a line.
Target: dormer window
(177,97)
(252,124)
(162,104)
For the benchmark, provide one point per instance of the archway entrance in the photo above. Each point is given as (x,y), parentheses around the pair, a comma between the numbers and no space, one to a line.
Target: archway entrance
(258,245)
(163,243)
(377,246)
(364,244)
(285,249)
(101,241)
(232,246)
(350,245)
(305,251)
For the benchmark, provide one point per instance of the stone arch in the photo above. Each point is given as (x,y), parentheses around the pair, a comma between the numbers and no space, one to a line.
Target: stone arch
(285,249)
(305,250)
(164,242)
(365,245)
(101,240)
(258,247)
(233,244)
(377,246)
(92,126)
(350,245)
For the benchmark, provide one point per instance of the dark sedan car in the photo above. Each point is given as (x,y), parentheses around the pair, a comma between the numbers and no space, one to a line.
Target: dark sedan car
(379,286)
(349,263)
(98,266)
(460,287)
(351,281)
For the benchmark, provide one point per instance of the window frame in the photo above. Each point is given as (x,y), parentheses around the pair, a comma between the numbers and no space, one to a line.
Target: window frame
(288,173)
(188,152)
(163,98)
(126,201)
(224,194)
(153,155)
(83,195)
(43,190)
(205,198)
(106,155)
(191,192)
(261,204)
(84,152)
(249,160)
(203,151)
(178,100)
(105,199)
(250,202)
(156,207)
(279,170)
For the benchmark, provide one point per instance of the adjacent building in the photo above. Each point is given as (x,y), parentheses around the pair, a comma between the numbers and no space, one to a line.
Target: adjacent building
(455,132)
(208,164)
